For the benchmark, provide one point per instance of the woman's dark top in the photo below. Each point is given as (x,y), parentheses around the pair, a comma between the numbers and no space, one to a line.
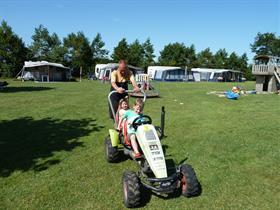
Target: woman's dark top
(122,82)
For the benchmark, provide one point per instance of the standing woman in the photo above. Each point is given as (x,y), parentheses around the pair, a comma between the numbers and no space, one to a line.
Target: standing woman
(119,82)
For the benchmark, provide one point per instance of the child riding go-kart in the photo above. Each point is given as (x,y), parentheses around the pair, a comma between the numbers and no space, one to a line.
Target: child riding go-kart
(153,173)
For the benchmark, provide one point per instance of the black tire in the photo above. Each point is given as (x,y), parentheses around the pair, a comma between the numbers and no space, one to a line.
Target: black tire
(112,153)
(189,183)
(131,189)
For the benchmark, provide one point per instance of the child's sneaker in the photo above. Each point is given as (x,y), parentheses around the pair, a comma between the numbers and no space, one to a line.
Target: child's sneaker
(138,155)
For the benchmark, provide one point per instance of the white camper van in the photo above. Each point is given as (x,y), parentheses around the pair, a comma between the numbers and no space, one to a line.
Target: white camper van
(153,70)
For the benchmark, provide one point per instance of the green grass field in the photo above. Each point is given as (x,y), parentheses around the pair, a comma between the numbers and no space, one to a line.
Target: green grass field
(52,153)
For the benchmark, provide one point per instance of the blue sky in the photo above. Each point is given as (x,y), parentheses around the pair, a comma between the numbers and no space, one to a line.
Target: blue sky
(229,24)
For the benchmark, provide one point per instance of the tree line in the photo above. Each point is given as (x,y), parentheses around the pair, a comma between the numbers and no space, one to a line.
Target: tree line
(76,51)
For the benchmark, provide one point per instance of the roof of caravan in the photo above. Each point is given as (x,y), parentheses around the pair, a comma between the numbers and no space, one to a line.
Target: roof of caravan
(101,65)
(214,70)
(163,68)
(115,65)
(29,64)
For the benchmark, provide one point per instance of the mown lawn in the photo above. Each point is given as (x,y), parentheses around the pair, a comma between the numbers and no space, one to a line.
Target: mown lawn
(52,154)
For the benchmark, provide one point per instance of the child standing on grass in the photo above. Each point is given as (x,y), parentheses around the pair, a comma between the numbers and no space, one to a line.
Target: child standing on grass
(131,115)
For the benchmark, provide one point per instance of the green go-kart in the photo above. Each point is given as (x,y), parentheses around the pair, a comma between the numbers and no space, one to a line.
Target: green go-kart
(153,174)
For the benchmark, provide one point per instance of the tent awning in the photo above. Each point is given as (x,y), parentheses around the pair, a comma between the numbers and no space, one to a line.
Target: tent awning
(30,64)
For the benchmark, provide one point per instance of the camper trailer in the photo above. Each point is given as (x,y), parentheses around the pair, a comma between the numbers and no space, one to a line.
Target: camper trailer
(104,70)
(216,75)
(98,68)
(166,73)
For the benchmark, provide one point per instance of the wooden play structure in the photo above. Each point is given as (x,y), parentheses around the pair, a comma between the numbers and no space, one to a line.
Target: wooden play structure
(267,71)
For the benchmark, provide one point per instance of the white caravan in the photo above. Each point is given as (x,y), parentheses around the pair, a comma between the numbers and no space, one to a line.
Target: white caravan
(153,70)
(98,67)
(216,75)
(105,70)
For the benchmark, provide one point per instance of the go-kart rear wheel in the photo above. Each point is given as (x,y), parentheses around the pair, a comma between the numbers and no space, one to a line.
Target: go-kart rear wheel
(189,183)
(131,189)
(112,153)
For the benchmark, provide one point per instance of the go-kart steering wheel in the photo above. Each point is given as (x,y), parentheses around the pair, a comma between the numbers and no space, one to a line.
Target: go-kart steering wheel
(143,119)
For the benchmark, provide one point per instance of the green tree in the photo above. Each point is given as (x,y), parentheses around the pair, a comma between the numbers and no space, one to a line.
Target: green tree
(58,55)
(136,54)
(173,55)
(46,47)
(266,44)
(79,52)
(248,73)
(190,57)
(148,54)
(13,51)
(205,59)
(220,59)
(243,62)
(39,48)
(245,68)
(98,52)
(233,62)
(121,51)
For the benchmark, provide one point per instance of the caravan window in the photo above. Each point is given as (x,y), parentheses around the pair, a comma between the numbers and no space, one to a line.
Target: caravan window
(175,74)
(107,74)
(167,75)
(204,76)
(181,74)
(171,75)
(158,75)
(189,75)
(216,76)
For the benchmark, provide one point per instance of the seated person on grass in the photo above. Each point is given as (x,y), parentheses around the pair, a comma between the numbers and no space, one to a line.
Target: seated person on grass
(131,115)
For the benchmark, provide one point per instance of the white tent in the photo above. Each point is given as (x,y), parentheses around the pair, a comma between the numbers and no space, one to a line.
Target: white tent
(28,64)
(44,71)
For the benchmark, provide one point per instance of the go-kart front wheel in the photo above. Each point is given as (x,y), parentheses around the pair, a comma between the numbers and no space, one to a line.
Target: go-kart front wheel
(189,183)
(131,189)
(111,153)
